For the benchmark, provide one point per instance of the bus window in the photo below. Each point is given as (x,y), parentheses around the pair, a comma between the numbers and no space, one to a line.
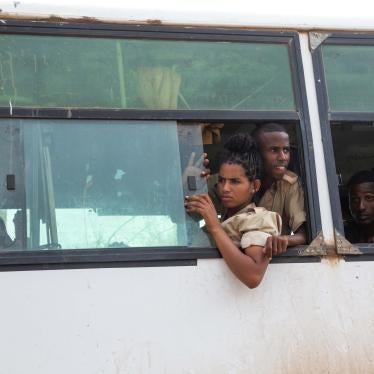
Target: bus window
(50,71)
(90,185)
(111,130)
(349,77)
(354,153)
(285,196)
(349,73)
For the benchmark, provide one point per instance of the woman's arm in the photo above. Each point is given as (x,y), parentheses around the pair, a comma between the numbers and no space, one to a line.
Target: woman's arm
(249,266)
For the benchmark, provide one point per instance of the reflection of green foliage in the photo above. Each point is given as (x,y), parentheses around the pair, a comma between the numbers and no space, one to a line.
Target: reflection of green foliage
(222,75)
(350,77)
(67,71)
(58,71)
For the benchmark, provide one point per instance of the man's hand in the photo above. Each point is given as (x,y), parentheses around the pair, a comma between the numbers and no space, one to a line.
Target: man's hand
(275,245)
(206,171)
(196,168)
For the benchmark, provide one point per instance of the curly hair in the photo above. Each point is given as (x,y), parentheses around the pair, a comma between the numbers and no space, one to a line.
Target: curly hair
(241,149)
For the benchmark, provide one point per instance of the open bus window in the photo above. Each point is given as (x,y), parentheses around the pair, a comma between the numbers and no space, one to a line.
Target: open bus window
(354,153)
(109,184)
(278,195)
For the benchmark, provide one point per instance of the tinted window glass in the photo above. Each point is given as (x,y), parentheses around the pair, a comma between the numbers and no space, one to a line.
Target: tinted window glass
(91,72)
(349,74)
(97,184)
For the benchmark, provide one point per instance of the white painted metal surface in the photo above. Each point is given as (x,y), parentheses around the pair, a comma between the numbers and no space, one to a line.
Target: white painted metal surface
(288,14)
(304,318)
(323,192)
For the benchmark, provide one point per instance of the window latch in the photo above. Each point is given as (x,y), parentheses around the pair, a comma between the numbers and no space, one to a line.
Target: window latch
(191,182)
(10,182)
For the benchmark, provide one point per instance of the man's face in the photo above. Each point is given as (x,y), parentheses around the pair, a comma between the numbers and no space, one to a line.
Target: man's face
(275,152)
(361,203)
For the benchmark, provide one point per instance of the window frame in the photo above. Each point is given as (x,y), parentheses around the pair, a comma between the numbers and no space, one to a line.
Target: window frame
(157,256)
(326,117)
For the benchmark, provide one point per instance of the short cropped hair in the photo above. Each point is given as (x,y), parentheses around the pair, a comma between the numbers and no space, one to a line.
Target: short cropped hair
(363,176)
(267,127)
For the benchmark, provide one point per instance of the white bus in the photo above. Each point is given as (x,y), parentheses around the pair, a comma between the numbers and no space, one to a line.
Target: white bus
(101,106)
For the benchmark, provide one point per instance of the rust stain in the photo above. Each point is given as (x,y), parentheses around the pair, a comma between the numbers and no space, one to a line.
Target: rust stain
(52,18)
(192,25)
(154,21)
(333,260)
(84,19)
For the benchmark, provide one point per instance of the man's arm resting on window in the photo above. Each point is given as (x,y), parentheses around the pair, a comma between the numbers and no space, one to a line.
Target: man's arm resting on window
(278,244)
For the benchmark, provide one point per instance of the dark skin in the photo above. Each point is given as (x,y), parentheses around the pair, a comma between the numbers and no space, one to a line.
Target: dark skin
(275,152)
(361,205)
(236,192)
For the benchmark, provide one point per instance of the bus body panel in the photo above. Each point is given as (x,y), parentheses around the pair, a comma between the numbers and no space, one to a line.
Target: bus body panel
(288,14)
(304,318)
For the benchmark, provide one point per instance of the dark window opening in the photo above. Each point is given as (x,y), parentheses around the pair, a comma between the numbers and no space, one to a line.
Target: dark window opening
(354,153)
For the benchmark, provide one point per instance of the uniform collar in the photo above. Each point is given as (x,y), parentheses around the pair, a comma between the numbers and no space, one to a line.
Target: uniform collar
(250,208)
(288,177)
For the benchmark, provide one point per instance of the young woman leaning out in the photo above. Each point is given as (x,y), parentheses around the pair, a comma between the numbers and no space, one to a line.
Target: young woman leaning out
(241,235)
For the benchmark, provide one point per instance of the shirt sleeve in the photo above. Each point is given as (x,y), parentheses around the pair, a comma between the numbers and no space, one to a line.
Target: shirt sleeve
(294,206)
(256,228)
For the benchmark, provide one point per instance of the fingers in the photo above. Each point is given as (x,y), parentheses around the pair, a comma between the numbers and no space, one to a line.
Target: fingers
(206,160)
(281,244)
(268,249)
(205,163)
(275,245)
(284,245)
(191,159)
(195,207)
(205,173)
(197,165)
(198,203)
(199,162)
(202,199)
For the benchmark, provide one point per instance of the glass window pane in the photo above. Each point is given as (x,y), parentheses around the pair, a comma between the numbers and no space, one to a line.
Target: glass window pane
(143,74)
(349,74)
(97,184)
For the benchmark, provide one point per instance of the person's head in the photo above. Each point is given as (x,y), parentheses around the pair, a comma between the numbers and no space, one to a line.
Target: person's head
(361,197)
(239,172)
(274,145)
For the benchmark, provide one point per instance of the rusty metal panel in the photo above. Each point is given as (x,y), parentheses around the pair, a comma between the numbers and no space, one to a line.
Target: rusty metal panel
(344,247)
(316,39)
(317,247)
